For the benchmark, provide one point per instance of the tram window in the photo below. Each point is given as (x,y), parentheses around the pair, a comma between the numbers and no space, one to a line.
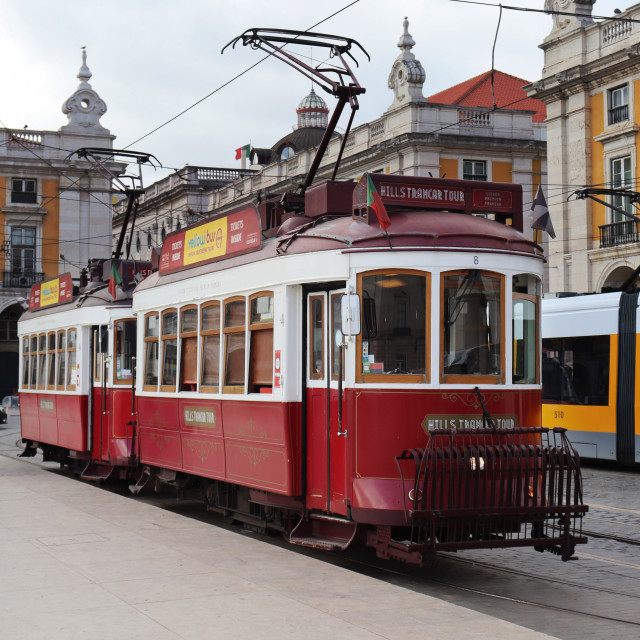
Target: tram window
(337,337)
(71,359)
(62,359)
(472,326)
(51,355)
(25,362)
(169,349)
(261,347)
(395,326)
(125,350)
(526,296)
(189,349)
(97,350)
(210,330)
(234,345)
(33,356)
(576,370)
(42,361)
(151,333)
(316,337)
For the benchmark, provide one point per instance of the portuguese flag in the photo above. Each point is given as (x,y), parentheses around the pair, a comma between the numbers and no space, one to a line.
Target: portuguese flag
(114,280)
(375,202)
(243,151)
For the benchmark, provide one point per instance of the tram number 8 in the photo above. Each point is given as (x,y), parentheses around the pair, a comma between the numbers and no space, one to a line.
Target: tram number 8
(558,414)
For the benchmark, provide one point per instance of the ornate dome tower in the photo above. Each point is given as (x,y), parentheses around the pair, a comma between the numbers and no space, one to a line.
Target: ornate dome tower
(85,107)
(407,74)
(312,112)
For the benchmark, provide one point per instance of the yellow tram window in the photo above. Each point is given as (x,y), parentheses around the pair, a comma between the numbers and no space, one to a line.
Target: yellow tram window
(42,361)
(51,355)
(169,349)
(234,345)
(71,359)
(210,330)
(33,358)
(25,362)
(261,343)
(62,359)
(189,348)
(151,334)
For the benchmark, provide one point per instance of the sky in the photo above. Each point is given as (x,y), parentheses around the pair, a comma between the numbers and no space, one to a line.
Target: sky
(152,59)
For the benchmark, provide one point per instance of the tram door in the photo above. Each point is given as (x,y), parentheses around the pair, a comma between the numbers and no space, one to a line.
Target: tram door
(327,468)
(100,376)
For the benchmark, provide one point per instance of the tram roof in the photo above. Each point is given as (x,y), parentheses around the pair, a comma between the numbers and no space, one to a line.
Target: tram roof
(410,230)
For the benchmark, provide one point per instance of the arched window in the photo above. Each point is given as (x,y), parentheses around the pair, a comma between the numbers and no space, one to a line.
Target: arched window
(287,152)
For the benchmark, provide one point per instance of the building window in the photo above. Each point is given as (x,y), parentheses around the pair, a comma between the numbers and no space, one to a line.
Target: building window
(23,191)
(620,178)
(9,324)
(23,250)
(287,152)
(618,104)
(474,170)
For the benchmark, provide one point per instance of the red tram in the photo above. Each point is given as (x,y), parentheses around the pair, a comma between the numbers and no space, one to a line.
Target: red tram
(340,372)
(318,375)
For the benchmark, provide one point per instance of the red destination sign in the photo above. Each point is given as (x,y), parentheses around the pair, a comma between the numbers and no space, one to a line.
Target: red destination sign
(51,292)
(215,239)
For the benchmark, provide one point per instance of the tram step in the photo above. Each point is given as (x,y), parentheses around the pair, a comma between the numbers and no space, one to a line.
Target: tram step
(329,535)
(97,472)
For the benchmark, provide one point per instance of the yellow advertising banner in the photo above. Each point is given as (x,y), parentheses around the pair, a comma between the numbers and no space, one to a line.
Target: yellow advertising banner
(50,293)
(205,241)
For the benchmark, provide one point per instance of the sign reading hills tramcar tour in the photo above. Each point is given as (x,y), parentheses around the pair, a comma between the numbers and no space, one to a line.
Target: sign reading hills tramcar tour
(236,233)
(51,292)
(440,194)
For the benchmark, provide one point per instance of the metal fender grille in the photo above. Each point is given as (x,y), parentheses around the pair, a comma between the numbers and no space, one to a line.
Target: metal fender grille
(475,488)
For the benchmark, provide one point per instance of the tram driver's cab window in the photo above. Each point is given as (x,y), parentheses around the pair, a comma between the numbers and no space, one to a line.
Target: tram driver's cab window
(525,296)
(393,344)
(472,326)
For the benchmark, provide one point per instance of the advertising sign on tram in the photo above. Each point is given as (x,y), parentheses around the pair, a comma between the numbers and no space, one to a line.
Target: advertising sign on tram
(236,233)
(57,290)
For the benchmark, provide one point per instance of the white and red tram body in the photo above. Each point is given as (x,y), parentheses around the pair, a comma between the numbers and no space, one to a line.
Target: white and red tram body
(422,414)
(76,372)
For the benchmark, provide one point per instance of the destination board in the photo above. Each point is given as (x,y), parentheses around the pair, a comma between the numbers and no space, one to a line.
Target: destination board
(236,233)
(57,290)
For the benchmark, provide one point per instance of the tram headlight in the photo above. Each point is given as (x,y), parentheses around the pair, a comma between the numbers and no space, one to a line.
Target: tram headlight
(477,463)
(412,495)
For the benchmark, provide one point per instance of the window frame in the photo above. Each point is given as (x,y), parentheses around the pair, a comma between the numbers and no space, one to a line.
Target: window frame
(228,331)
(187,335)
(51,360)
(25,357)
(61,350)
(473,175)
(147,339)
(71,348)
(117,379)
(406,378)
(164,339)
(536,300)
(24,199)
(310,336)
(613,115)
(458,378)
(42,361)
(204,333)
(257,327)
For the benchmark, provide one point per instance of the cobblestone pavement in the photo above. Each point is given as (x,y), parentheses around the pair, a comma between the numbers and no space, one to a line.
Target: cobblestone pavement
(593,598)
